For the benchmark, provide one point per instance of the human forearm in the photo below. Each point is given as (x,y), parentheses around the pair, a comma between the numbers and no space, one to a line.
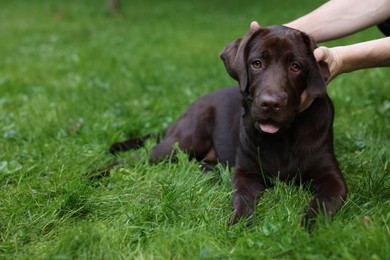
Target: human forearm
(363,55)
(338,18)
(375,53)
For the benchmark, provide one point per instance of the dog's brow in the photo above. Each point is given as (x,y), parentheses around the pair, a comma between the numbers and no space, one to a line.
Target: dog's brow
(264,54)
(291,56)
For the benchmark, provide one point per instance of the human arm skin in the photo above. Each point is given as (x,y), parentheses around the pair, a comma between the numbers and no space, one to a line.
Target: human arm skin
(338,18)
(341,59)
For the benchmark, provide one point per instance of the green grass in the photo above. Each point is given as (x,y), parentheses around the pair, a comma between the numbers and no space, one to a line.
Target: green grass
(73,80)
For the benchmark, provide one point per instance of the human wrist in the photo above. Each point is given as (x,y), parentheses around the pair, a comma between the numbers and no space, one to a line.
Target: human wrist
(363,55)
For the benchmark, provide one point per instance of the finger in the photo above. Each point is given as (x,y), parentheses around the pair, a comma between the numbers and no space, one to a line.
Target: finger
(254,26)
(320,54)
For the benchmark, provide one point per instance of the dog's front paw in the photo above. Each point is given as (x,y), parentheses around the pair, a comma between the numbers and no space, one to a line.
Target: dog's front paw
(308,220)
(242,207)
(234,218)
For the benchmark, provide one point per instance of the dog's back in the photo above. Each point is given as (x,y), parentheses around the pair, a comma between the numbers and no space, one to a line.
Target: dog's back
(207,130)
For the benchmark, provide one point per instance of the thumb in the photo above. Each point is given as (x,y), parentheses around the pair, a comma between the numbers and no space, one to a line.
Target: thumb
(321,54)
(330,56)
(254,26)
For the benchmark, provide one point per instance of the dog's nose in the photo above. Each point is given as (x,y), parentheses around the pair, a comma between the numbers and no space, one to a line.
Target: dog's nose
(271,101)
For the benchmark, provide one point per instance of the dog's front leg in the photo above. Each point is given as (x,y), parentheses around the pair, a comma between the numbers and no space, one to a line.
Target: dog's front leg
(248,188)
(330,191)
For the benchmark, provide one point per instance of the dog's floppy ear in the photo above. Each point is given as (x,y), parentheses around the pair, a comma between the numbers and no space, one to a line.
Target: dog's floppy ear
(234,59)
(319,71)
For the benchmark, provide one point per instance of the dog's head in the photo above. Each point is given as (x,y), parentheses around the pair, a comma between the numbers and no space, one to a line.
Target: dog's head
(275,68)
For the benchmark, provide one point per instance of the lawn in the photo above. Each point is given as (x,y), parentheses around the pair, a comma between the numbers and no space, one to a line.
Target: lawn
(74,79)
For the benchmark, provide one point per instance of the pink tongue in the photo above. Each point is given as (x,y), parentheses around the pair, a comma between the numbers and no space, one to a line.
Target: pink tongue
(268,128)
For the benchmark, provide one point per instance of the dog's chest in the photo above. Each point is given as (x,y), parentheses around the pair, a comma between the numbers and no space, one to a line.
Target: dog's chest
(278,158)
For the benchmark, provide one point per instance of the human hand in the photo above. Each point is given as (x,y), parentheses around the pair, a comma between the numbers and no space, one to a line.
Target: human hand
(331,57)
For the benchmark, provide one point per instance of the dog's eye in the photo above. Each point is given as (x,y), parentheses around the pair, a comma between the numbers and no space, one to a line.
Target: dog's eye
(257,64)
(295,67)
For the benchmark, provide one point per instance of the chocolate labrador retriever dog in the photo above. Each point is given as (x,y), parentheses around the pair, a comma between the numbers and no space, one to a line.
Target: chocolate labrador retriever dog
(262,127)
